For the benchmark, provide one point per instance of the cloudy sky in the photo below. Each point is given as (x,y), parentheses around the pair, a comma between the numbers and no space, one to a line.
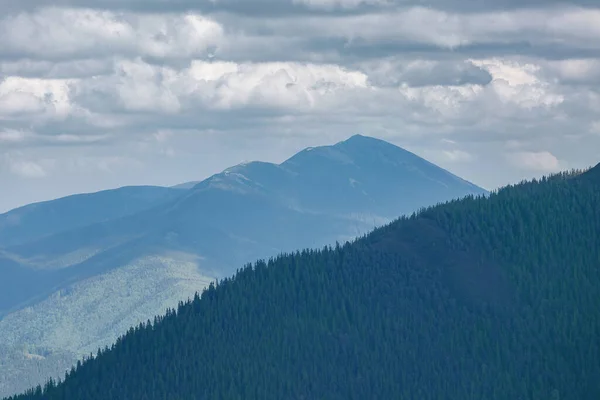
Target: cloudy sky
(103,93)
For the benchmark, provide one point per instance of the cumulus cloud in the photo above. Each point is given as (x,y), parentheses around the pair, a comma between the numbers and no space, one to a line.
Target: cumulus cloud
(58,34)
(111,86)
(23,96)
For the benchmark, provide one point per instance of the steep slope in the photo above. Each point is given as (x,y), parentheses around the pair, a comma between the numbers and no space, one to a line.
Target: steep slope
(386,178)
(592,175)
(483,298)
(37,220)
(249,211)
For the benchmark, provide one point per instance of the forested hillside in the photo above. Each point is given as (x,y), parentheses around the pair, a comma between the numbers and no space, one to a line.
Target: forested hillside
(82,287)
(482,298)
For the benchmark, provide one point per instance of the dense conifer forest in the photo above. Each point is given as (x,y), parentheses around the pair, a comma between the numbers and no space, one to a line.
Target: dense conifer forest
(492,297)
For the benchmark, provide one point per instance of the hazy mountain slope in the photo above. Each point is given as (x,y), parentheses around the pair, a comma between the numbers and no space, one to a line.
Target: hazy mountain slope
(483,298)
(19,285)
(47,339)
(41,219)
(205,224)
(260,209)
(22,369)
(249,211)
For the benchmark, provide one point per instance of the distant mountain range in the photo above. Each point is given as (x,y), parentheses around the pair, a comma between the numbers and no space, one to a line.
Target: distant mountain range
(490,297)
(35,221)
(63,262)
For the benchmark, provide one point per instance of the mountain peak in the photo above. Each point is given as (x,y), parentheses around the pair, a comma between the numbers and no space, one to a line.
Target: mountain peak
(347,151)
(362,140)
(373,150)
(358,137)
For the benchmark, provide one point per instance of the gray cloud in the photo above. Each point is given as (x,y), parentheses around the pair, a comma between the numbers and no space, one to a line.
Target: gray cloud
(396,71)
(106,93)
(74,69)
(263,8)
(65,34)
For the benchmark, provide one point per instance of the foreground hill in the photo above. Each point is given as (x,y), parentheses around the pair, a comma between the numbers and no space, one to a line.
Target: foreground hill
(79,289)
(482,298)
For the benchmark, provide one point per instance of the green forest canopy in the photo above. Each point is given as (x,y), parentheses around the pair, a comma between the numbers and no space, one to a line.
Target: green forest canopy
(482,298)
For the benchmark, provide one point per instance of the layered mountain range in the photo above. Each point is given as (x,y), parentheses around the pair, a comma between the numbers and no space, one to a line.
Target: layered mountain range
(77,272)
(488,297)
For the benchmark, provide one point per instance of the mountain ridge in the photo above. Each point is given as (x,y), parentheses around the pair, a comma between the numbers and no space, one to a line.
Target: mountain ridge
(294,192)
(484,297)
(249,211)
(20,224)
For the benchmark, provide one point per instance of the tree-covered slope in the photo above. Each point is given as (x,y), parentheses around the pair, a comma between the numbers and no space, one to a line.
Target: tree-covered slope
(250,211)
(482,298)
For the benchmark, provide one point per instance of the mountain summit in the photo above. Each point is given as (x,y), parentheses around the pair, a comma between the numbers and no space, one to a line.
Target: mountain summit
(318,196)
(112,273)
(493,297)
(367,173)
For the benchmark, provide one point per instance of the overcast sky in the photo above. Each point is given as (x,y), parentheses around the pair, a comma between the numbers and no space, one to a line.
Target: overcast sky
(98,94)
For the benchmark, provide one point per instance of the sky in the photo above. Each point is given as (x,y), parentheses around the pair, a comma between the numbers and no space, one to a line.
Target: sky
(97,94)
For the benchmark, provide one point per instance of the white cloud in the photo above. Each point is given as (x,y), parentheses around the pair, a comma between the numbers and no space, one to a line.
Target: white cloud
(520,84)
(272,84)
(55,33)
(542,161)
(62,33)
(34,96)
(140,87)
(109,90)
